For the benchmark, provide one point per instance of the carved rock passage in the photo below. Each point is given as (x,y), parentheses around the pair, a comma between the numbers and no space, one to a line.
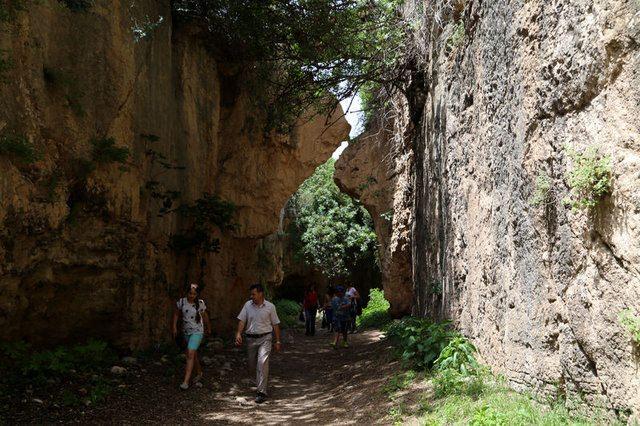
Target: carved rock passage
(100,265)
(537,289)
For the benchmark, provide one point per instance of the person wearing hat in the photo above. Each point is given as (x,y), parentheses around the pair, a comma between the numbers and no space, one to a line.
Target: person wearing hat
(340,305)
(259,320)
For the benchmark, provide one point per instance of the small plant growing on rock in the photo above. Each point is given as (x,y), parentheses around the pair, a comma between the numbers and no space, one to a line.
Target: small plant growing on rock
(10,8)
(542,193)
(18,147)
(589,179)
(5,65)
(77,5)
(457,36)
(105,151)
(208,211)
(631,323)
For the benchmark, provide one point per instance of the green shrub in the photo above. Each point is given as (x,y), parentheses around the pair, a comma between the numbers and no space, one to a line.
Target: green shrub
(631,323)
(497,404)
(105,151)
(77,5)
(288,312)
(487,415)
(589,179)
(5,66)
(99,391)
(399,382)
(542,193)
(452,382)
(58,362)
(210,210)
(194,239)
(18,148)
(458,355)
(419,341)
(376,313)
(10,8)
(457,36)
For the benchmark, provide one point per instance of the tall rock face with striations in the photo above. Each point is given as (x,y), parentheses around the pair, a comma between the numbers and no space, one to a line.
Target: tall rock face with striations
(85,240)
(507,86)
(376,169)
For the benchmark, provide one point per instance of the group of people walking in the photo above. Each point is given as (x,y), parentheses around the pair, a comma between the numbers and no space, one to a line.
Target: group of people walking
(340,310)
(258,324)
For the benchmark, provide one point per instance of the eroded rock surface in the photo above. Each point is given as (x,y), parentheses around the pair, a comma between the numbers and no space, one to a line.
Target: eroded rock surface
(537,289)
(376,169)
(92,258)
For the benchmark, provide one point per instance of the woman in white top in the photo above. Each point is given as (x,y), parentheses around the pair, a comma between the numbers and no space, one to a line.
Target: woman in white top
(195,324)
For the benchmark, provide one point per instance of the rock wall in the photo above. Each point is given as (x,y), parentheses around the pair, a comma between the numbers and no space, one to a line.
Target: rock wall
(376,169)
(507,85)
(90,257)
(538,289)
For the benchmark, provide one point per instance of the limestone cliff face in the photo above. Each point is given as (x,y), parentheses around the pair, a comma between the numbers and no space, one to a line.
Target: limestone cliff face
(538,289)
(91,256)
(376,169)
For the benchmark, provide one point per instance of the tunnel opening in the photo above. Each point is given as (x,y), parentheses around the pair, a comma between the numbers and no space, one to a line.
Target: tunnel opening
(328,240)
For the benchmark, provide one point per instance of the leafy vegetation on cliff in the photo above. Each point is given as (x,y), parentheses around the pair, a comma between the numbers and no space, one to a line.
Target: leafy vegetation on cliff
(589,178)
(331,231)
(19,148)
(302,50)
(6,63)
(631,323)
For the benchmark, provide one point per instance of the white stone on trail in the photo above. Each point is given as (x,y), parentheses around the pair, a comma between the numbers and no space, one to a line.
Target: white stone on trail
(39,401)
(242,401)
(198,384)
(206,360)
(164,359)
(118,370)
(227,366)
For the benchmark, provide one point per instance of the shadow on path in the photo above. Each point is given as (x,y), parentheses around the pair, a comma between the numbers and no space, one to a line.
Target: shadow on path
(312,383)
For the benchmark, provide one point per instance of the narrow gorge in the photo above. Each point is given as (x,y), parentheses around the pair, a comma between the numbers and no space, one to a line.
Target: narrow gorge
(134,158)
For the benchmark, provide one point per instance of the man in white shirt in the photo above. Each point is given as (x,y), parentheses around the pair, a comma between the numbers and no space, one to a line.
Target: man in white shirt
(261,320)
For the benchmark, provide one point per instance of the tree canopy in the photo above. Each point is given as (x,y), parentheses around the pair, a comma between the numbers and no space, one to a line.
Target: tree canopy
(303,49)
(331,231)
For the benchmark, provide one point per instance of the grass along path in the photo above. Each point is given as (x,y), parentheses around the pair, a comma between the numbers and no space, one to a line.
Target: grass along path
(311,383)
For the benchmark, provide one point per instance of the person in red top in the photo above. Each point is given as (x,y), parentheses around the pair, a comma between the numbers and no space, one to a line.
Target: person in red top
(310,305)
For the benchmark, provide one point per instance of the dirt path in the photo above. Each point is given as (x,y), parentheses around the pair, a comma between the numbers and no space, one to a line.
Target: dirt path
(311,383)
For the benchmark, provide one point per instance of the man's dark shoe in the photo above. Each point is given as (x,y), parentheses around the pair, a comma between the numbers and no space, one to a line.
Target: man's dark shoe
(261,398)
